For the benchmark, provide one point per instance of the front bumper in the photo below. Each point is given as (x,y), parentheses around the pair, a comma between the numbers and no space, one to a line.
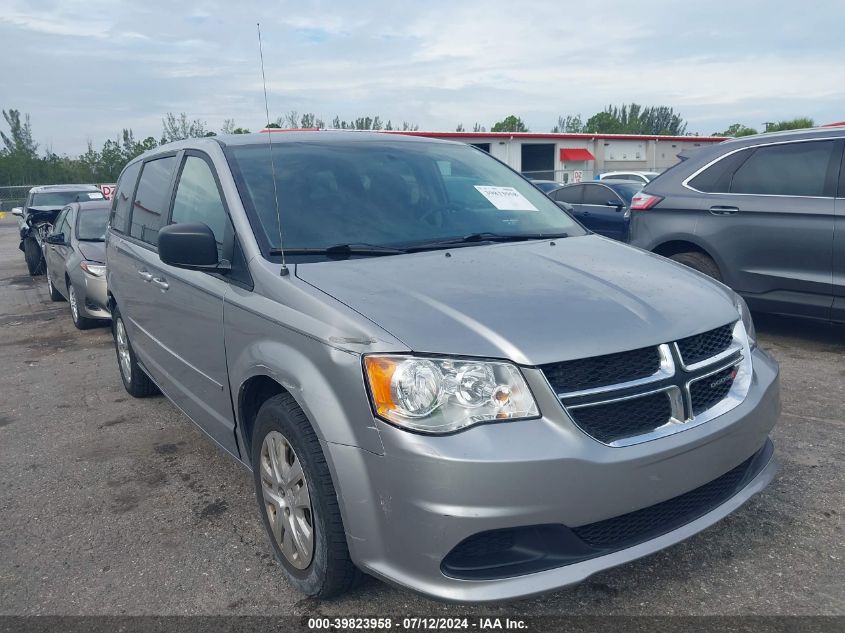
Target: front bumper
(95,301)
(404,511)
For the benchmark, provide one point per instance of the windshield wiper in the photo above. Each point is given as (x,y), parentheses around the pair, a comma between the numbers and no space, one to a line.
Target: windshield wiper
(340,250)
(475,238)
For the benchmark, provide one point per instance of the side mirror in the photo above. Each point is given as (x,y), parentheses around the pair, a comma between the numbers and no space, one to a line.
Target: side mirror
(17,211)
(615,203)
(564,205)
(189,246)
(56,239)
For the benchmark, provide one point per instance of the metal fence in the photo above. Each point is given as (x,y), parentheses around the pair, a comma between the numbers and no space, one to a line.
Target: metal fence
(11,197)
(561,175)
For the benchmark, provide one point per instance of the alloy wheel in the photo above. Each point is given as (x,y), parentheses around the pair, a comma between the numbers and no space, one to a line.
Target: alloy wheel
(123,357)
(74,308)
(287,500)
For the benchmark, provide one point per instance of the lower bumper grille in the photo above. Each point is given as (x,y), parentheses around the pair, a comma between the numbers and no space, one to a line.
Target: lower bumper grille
(517,551)
(635,527)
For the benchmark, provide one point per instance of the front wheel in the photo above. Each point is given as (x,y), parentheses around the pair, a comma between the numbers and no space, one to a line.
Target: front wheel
(55,295)
(33,255)
(81,322)
(297,501)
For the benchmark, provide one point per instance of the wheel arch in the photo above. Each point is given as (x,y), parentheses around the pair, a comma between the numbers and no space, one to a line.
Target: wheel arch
(253,393)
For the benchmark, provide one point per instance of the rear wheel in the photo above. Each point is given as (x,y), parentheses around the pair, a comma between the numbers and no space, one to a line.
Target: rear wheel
(297,501)
(136,382)
(700,262)
(81,322)
(54,294)
(33,256)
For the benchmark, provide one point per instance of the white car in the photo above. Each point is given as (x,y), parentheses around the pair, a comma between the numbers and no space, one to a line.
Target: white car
(637,176)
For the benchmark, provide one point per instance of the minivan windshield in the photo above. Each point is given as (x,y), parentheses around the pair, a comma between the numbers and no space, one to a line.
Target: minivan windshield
(397,194)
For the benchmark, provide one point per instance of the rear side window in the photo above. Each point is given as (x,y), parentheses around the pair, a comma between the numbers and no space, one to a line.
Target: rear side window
(198,199)
(571,195)
(717,178)
(792,169)
(597,195)
(122,201)
(152,199)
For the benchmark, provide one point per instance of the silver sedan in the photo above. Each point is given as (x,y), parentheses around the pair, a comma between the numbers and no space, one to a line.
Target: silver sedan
(75,258)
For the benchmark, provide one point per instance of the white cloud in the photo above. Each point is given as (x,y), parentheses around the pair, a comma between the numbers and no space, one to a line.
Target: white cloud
(436,64)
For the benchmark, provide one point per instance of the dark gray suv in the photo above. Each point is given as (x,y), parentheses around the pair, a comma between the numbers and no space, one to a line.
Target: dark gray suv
(764,214)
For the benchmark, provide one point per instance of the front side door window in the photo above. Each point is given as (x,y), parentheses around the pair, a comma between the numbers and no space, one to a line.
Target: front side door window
(198,199)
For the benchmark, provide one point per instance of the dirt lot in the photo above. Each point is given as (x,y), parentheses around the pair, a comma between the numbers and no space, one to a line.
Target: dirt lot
(111,505)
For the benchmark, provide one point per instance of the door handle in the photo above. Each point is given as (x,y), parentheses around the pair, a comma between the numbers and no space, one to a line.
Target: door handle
(146,276)
(718,210)
(161,282)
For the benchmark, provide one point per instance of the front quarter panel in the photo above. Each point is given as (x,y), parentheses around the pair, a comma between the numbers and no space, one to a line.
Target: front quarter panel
(310,347)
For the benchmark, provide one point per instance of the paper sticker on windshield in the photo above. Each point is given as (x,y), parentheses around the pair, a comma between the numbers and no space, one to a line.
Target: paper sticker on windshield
(95,196)
(506,198)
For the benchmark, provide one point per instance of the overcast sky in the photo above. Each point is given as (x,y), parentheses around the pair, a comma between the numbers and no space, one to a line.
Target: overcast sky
(85,69)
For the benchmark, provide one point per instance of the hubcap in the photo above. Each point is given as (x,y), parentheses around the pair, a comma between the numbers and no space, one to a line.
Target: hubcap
(122,343)
(286,500)
(74,309)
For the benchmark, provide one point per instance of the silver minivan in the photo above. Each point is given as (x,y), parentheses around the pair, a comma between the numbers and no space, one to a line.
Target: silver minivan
(435,375)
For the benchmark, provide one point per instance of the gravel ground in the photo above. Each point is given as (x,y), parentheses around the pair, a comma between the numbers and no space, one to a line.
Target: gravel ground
(111,505)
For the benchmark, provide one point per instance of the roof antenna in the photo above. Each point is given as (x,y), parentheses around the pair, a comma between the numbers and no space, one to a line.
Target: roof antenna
(280,250)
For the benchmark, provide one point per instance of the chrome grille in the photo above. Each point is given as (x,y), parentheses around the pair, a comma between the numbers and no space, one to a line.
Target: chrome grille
(599,371)
(695,349)
(709,390)
(618,419)
(631,397)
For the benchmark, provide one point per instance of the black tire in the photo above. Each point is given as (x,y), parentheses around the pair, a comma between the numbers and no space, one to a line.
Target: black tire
(33,256)
(138,384)
(55,295)
(331,571)
(700,262)
(81,322)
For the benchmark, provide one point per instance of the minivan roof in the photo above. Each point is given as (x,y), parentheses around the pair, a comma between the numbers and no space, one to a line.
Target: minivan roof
(319,136)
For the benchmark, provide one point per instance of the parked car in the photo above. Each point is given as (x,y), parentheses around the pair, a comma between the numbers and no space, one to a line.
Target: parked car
(764,214)
(641,177)
(469,395)
(546,186)
(74,254)
(38,214)
(603,207)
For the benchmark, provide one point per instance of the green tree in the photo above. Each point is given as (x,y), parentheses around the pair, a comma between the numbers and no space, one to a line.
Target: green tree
(478,128)
(177,128)
(570,123)
(510,123)
(798,123)
(603,123)
(19,140)
(736,130)
(636,119)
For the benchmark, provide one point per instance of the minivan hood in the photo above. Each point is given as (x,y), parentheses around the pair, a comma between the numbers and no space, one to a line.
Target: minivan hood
(530,302)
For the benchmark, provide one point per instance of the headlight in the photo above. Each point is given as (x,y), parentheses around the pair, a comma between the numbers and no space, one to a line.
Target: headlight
(98,270)
(747,321)
(440,395)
